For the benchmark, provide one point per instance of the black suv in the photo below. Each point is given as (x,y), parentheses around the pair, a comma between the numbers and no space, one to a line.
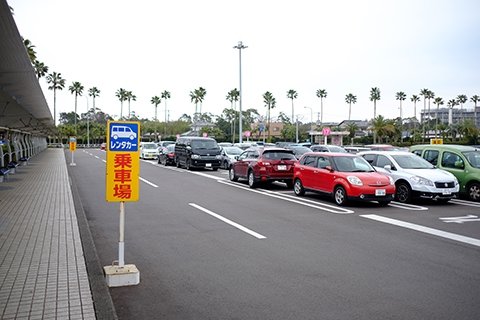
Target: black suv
(197,152)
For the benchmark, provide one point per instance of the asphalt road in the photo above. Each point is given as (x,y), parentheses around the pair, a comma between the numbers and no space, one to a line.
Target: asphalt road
(208,248)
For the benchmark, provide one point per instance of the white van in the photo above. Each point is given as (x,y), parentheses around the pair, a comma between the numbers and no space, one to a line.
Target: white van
(122,132)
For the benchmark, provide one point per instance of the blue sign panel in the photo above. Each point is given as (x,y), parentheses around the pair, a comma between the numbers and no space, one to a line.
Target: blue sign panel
(123,136)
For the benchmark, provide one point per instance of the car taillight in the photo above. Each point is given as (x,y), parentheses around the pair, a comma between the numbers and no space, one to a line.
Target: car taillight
(263,164)
(171,154)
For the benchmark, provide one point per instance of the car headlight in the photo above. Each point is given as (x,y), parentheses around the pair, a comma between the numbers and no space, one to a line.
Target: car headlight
(195,156)
(218,156)
(420,180)
(355,180)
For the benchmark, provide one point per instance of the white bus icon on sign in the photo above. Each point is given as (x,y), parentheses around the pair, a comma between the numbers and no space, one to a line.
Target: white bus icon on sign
(123,132)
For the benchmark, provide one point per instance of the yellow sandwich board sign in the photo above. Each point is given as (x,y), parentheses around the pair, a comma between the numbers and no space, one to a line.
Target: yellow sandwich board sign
(123,161)
(73,143)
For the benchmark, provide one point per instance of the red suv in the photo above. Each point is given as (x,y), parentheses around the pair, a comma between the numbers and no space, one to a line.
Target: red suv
(264,165)
(344,176)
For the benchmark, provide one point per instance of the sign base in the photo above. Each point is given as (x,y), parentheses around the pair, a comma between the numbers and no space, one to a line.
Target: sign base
(117,276)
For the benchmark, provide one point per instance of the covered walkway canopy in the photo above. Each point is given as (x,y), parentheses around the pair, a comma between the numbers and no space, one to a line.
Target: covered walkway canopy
(23,107)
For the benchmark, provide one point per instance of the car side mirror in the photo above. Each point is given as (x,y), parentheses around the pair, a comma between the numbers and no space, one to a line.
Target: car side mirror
(459,165)
(329,168)
(388,167)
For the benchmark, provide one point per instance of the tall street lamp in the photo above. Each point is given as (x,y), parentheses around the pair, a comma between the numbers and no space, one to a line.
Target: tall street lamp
(240,46)
(311,124)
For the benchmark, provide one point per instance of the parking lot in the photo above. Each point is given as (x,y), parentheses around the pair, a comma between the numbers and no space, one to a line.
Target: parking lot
(207,247)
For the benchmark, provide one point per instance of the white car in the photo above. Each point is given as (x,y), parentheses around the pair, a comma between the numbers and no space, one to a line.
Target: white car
(414,176)
(228,156)
(148,150)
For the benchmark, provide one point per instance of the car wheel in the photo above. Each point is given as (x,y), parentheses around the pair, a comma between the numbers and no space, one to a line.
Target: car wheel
(403,193)
(159,160)
(252,183)
(384,203)
(340,196)
(298,188)
(188,165)
(473,191)
(177,162)
(231,175)
(225,165)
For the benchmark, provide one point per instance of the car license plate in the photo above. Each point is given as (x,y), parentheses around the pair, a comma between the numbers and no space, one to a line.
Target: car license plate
(208,165)
(282,167)
(380,192)
(446,192)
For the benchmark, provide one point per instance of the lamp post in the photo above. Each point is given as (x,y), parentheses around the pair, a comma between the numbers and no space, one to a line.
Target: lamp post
(88,124)
(240,46)
(311,124)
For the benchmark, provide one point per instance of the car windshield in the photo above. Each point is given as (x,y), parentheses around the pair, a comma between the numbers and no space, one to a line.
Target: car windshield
(352,164)
(233,151)
(412,161)
(473,157)
(149,146)
(204,144)
(279,155)
(170,148)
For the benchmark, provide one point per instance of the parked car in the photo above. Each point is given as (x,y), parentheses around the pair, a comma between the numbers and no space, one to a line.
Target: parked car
(414,177)
(381,147)
(167,155)
(298,151)
(244,145)
(197,152)
(461,161)
(344,176)
(103,146)
(225,144)
(327,148)
(355,149)
(228,156)
(148,150)
(165,143)
(264,165)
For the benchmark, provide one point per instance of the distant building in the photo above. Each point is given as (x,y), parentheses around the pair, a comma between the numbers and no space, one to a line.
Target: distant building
(450,116)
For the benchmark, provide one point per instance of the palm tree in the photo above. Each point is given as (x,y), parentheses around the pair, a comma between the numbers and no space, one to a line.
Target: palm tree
(40,69)
(374,96)
(438,101)
(451,104)
(461,98)
(401,96)
(292,94)
(57,83)
(475,99)
(321,93)
(130,97)
(165,95)
(77,89)
(350,98)
(415,99)
(430,95)
(232,96)
(156,101)
(270,103)
(93,92)
(32,54)
(424,93)
(121,94)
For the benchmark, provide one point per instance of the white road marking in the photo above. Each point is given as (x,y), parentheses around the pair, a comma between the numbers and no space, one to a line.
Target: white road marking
(304,202)
(148,182)
(469,218)
(230,222)
(416,227)
(407,206)
(97,157)
(465,203)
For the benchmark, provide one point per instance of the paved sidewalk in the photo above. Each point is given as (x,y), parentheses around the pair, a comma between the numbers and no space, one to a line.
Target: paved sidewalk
(42,266)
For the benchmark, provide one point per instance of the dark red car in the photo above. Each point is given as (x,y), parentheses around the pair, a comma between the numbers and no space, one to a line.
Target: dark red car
(342,175)
(264,165)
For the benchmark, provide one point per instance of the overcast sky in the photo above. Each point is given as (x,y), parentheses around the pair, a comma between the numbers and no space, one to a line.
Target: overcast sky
(342,46)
